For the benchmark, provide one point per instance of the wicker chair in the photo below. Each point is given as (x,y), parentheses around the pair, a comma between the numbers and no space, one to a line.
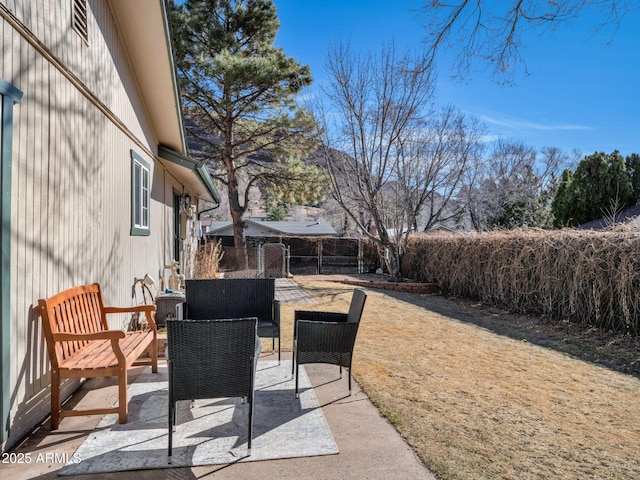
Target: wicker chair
(327,337)
(211,359)
(236,298)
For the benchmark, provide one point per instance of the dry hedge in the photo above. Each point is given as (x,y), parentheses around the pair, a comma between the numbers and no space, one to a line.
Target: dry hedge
(582,276)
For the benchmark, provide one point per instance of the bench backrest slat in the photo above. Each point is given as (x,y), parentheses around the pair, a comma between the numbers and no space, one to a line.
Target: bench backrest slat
(76,310)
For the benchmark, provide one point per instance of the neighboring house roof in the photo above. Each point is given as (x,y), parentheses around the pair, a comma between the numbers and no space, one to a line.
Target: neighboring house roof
(144,29)
(291,228)
(628,216)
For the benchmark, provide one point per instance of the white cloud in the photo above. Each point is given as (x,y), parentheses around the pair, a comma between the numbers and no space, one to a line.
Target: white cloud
(520,124)
(489,138)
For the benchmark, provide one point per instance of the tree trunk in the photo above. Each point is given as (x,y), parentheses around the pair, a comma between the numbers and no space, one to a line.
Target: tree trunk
(236,209)
(393,260)
(237,213)
(239,240)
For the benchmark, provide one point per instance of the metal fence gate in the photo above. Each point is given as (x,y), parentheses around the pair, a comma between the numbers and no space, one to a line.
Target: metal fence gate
(326,255)
(273,260)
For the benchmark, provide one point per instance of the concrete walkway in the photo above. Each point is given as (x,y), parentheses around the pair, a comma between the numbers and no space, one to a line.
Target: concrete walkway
(287,290)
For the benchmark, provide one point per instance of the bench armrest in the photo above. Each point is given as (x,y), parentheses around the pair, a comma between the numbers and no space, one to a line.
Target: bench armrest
(85,337)
(147,309)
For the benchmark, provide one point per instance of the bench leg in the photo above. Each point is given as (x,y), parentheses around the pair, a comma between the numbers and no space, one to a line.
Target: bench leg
(55,400)
(122,396)
(154,356)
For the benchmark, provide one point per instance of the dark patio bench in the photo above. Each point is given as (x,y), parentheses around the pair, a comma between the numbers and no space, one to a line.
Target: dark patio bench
(235,298)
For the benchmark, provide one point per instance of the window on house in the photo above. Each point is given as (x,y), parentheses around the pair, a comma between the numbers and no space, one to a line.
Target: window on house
(79,18)
(140,195)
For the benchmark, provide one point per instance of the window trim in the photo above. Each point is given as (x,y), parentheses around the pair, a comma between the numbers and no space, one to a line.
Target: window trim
(140,195)
(9,95)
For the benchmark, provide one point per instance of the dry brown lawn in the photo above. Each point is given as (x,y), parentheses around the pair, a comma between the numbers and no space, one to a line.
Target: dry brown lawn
(477,402)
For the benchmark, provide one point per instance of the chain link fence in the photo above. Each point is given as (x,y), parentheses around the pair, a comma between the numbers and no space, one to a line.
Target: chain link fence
(273,260)
(279,257)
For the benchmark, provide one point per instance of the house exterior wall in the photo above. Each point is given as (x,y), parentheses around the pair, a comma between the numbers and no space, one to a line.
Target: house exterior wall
(79,119)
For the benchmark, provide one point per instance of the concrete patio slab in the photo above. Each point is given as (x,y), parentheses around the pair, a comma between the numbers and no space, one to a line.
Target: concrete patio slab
(370,447)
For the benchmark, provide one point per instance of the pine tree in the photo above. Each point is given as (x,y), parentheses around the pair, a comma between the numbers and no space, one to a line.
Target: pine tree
(562,204)
(632,162)
(239,97)
(599,186)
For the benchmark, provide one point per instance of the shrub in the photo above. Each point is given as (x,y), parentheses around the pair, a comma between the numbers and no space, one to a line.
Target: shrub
(208,259)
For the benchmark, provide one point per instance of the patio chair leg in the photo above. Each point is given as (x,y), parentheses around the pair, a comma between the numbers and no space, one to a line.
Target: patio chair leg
(250,400)
(175,414)
(297,394)
(293,356)
(171,422)
(278,350)
(340,371)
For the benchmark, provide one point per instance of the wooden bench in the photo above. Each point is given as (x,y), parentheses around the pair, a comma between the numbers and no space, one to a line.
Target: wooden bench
(81,345)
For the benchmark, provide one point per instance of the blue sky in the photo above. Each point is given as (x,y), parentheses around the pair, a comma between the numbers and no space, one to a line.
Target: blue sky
(582,92)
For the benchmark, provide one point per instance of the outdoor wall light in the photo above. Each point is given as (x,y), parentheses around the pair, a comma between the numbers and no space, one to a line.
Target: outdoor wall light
(186,200)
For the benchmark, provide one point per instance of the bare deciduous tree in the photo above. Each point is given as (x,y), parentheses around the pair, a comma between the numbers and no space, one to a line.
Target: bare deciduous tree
(515,186)
(492,32)
(390,154)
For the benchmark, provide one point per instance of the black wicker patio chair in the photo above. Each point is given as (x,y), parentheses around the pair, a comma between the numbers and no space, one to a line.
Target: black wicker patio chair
(212,359)
(327,337)
(236,298)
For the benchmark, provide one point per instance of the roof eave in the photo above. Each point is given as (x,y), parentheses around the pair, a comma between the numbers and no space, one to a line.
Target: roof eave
(144,29)
(207,190)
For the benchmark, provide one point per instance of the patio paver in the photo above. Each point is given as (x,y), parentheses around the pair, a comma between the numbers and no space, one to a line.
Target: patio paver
(287,290)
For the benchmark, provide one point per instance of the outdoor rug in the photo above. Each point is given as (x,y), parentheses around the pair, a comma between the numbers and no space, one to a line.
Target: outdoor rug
(212,431)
